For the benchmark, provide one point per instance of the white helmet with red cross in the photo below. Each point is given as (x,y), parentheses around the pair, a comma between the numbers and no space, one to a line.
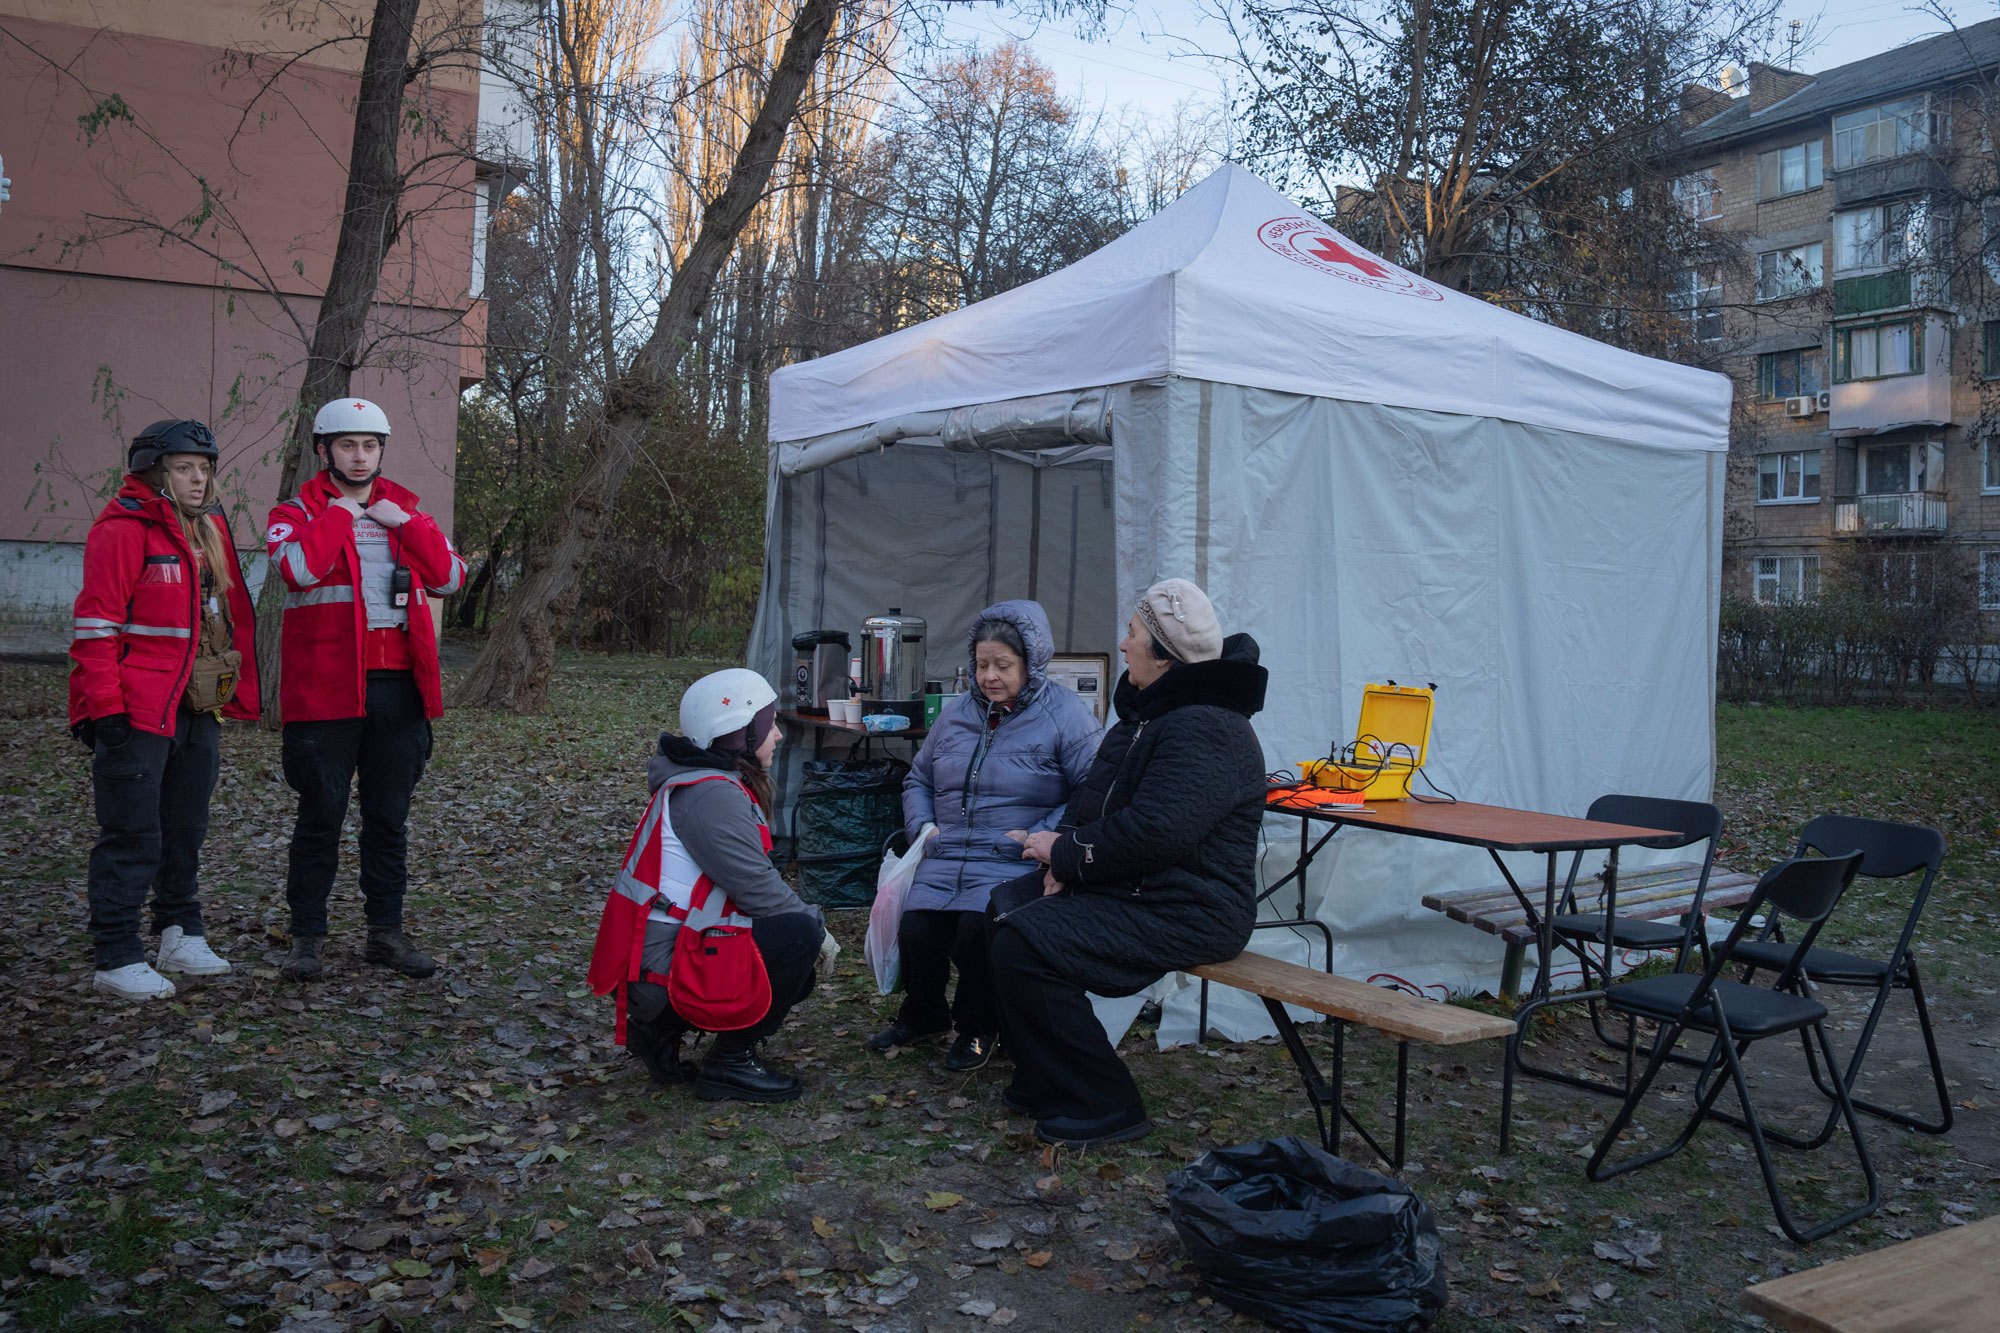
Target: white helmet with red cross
(351,416)
(722,702)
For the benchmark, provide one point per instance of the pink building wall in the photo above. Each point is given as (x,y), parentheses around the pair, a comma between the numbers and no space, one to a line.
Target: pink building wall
(98,339)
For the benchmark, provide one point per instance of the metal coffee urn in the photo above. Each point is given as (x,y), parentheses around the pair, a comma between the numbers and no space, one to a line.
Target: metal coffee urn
(892,658)
(822,670)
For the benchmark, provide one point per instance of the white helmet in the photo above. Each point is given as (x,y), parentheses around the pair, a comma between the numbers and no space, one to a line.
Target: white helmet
(722,702)
(351,416)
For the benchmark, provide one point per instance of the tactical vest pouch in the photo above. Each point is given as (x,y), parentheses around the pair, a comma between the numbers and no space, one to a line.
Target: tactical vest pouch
(212,682)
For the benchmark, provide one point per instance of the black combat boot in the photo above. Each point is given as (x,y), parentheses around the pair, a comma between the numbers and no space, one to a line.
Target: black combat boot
(306,961)
(658,1047)
(734,1074)
(393,949)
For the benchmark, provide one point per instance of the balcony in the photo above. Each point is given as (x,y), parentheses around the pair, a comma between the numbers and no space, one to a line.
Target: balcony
(1892,176)
(1872,407)
(1913,514)
(1898,289)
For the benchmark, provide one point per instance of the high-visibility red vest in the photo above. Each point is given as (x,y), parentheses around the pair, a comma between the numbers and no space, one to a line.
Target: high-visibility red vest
(137,623)
(658,880)
(323,641)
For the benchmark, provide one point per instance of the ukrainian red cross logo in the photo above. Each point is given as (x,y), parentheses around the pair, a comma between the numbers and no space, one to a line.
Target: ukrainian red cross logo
(1304,240)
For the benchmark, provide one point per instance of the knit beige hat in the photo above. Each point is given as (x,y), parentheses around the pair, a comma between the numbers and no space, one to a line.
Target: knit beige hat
(1182,618)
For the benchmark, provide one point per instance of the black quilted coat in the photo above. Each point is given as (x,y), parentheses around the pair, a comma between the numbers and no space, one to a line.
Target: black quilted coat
(1159,845)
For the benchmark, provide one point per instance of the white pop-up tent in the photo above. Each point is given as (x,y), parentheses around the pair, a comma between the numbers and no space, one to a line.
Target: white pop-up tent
(1378,478)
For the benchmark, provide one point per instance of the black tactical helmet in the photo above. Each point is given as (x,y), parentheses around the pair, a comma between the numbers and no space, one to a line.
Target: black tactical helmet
(161,438)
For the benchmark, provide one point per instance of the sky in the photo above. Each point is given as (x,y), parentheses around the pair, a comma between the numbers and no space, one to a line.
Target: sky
(1149,56)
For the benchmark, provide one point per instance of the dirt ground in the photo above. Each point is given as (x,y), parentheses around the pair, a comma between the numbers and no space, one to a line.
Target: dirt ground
(471,1150)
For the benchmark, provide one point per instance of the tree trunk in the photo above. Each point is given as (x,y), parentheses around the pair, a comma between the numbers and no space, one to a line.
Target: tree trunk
(514,669)
(368,222)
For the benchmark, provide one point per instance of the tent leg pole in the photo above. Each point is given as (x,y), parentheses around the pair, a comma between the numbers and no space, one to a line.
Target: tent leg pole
(1510,973)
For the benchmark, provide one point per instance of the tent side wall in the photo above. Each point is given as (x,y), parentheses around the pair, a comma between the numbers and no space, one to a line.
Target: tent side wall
(1559,589)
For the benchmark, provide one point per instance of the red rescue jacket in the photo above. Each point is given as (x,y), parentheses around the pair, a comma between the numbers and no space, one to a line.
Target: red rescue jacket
(323,642)
(138,618)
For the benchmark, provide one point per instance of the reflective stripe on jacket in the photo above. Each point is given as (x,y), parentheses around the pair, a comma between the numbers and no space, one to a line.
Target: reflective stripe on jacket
(137,620)
(658,874)
(323,641)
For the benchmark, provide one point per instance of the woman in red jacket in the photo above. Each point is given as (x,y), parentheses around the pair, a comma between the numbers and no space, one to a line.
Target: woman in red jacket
(164,644)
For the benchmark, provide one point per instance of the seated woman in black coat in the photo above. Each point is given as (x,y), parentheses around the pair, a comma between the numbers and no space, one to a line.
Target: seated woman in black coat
(1152,870)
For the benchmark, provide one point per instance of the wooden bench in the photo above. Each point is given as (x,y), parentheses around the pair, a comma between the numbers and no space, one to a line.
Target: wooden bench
(1406,1018)
(1656,893)
(1947,1280)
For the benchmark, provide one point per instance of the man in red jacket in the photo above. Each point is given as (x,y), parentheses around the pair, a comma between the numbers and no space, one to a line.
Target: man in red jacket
(360,682)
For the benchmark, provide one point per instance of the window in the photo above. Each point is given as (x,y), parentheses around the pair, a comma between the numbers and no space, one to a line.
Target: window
(1989,580)
(1886,236)
(1790,170)
(1700,295)
(1786,579)
(1877,351)
(1990,354)
(1699,194)
(1782,273)
(1789,374)
(1889,130)
(1989,471)
(1902,469)
(1788,478)
(1989,238)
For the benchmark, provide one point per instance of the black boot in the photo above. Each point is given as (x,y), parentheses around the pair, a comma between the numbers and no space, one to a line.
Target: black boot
(659,1049)
(307,959)
(902,1033)
(393,949)
(735,1074)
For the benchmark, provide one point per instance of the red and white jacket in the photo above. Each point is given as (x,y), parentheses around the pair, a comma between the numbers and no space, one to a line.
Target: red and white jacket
(658,882)
(323,643)
(138,618)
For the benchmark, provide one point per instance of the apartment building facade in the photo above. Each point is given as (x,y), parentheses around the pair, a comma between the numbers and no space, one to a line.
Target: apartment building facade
(1857,314)
(178,172)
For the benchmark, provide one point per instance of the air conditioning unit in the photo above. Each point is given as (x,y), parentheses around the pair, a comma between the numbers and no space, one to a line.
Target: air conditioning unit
(1803,406)
(1826,400)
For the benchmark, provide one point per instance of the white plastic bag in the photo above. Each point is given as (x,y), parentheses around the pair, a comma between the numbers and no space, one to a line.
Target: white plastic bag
(892,885)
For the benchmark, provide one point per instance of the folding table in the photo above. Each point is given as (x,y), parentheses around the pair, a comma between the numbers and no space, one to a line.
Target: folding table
(1497,829)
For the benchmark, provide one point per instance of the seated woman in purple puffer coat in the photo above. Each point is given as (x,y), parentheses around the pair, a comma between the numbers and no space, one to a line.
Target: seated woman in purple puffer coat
(999,764)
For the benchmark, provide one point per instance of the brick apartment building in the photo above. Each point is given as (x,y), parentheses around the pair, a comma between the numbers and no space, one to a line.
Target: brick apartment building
(120,114)
(1858,317)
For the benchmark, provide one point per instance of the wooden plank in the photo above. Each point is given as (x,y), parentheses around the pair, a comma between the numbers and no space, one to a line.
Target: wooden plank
(1947,1280)
(1389,1011)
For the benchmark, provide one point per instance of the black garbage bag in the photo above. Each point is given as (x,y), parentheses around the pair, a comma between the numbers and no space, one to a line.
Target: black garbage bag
(1287,1232)
(845,810)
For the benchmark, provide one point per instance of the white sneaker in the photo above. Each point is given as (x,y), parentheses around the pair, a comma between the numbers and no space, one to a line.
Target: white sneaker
(181,952)
(135,981)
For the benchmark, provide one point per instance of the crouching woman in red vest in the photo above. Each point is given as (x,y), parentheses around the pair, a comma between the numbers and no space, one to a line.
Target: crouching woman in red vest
(699,932)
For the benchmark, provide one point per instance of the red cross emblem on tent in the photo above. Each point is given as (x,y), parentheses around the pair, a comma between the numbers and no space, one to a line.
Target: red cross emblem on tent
(1306,241)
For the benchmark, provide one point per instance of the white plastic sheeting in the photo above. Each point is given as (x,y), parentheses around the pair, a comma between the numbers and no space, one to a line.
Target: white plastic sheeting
(1235,283)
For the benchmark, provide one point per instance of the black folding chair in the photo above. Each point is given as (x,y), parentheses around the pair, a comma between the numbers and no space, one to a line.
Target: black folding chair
(1737,1015)
(1693,821)
(1888,851)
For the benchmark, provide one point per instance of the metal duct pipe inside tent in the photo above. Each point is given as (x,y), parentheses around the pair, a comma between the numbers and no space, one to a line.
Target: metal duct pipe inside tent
(1023,425)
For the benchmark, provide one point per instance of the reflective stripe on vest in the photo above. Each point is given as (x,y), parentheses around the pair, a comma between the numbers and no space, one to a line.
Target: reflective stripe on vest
(659,867)
(157,631)
(339,592)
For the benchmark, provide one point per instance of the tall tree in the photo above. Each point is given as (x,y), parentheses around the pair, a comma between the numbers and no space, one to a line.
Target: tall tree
(997,179)
(515,667)
(1520,150)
